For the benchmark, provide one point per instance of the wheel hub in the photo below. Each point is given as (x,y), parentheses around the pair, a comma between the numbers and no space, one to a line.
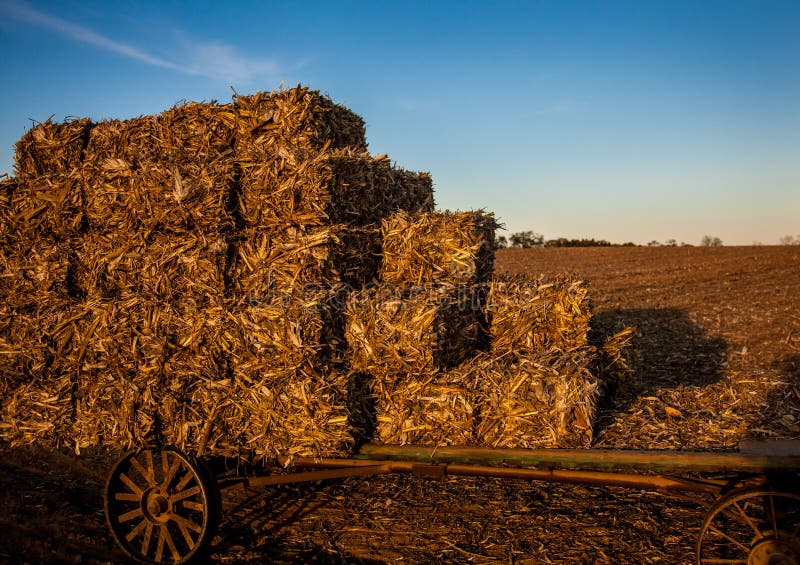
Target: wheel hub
(156,506)
(774,551)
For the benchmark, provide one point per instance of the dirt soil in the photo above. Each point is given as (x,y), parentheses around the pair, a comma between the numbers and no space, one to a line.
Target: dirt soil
(716,359)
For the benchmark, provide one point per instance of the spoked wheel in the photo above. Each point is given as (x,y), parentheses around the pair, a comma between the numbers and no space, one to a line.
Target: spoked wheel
(754,527)
(160,506)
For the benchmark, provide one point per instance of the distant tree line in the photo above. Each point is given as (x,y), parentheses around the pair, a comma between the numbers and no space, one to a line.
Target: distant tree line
(529,239)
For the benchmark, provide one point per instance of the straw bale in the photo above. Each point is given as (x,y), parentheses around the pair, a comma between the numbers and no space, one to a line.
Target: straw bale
(298,117)
(128,141)
(285,260)
(33,270)
(162,266)
(287,330)
(49,205)
(428,409)
(168,193)
(51,148)
(533,401)
(453,247)
(290,186)
(296,412)
(198,129)
(393,330)
(39,412)
(536,315)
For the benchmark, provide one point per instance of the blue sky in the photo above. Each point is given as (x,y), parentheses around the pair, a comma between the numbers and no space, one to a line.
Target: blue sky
(626,121)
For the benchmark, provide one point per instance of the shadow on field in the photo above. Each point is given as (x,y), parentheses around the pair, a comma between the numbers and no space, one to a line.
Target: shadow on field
(668,351)
(261,525)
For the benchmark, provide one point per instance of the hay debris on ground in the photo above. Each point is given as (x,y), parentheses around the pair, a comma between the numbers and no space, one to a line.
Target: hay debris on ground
(451,247)
(395,330)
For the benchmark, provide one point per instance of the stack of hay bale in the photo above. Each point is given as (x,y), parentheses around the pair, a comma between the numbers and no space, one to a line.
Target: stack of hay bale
(246,279)
(170,271)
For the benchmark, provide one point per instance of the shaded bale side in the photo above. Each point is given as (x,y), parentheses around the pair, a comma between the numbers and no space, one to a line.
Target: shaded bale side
(161,266)
(51,149)
(277,260)
(435,409)
(165,193)
(535,401)
(7,223)
(291,186)
(49,205)
(452,247)
(537,315)
(299,117)
(126,142)
(296,412)
(410,329)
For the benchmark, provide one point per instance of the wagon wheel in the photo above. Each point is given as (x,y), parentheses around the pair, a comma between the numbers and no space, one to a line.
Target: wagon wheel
(160,506)
(752,527)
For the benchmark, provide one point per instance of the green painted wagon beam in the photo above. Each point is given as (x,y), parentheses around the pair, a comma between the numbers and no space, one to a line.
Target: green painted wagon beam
(587,459)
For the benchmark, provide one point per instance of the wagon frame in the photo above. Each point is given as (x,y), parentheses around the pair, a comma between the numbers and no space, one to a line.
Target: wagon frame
(163,506)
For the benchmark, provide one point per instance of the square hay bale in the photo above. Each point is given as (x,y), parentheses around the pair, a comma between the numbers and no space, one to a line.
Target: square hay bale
(165,193)
(288,330)
(291,186)
(393,330)
(296,412)
(48,205)
(535,401)
(34,270)
(537,315)
(198,129)
(452,247)
(288,260)
(139,358)
(51,148)
(130,142)
(298,117)
(39,412)
(433,409)
(159,265)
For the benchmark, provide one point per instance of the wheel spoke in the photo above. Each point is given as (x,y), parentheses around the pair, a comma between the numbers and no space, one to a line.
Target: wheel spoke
(184,528)
(186,523)
(160,544)
(148,455)
(146,539)
(128,516)
(169,472)
(729,538)
(130,484)
(174,550)
(128,497)
(178,496)
(193,506)
(747,519)
(184,481)
(135,531)
(147,476)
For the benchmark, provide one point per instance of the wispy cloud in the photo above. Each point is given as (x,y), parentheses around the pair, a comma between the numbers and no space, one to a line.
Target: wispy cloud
(210,59)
